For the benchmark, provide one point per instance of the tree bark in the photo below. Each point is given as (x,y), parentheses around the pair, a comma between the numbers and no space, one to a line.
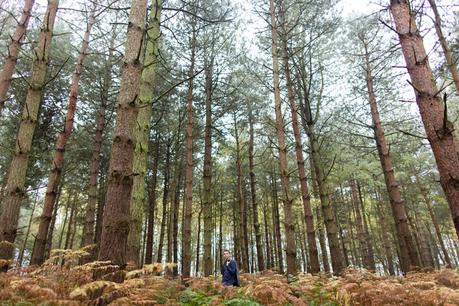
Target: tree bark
(89,225)
(404,238)
(328,217)
(165,202)
(6,76)
(243,236)
(385,238)
(439,130)
(14,191)
(276,225)
(450,61)
(436,227)
(253,193)
(188,211)
(152,205)
(21,253)
(283,165)
(207,171)
(115,228)
(359,223)
(55,175)
(368,240)
(306,197)
(142,131)
(71,221)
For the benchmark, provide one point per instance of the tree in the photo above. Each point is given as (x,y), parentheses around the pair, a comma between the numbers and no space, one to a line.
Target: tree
(18,167)
(287,200)
(13,52)
(145,104)
(312,246)
(115,228)
(58,158)
(439,130)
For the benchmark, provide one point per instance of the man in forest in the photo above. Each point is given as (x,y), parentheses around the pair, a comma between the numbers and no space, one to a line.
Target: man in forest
(230,273)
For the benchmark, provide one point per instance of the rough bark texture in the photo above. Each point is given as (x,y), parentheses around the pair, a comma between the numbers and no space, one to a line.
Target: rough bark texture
(115,228)
(405,241)
(54,178)
(450,61)
(90,218)
(327,212)
(439,130)
(283,165)
(188,210)
(142,131)
(207,171)
(253,193)
(320,222)
(306,197)
(14,191)
(13,52)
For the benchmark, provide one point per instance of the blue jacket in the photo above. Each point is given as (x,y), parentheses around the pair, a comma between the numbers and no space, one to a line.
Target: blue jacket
(230,273)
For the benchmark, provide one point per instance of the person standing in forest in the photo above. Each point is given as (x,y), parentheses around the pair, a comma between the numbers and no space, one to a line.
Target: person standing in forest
(230,273)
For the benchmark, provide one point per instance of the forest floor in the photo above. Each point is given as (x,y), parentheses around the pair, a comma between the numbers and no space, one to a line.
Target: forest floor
(100,283)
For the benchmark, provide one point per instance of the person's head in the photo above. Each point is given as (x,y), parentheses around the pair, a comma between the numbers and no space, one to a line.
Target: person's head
(226,254)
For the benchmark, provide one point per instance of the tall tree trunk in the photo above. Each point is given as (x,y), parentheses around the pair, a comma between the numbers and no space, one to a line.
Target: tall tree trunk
(320,222)
(236,229)
(327,212)
(18,168)
(165,202)
(450,61)
(385,238)
(188,210)
(67,206)
(115,228)
(306,197)
(276,225)
(207,171)
(71,221)
(243,237)
(21,253)
(368,240)
(174,201)
(436,227)
(175,215)
(55,175)
(253,192)
(359,223)
(198,241)
(89,225)
(100,210)
(407,249)
(49,239)
(6,76)
(267,238)
(152,205)
(142,131)
(283,165)
(439,130)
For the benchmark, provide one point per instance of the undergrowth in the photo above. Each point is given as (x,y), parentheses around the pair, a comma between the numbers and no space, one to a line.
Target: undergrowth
(62,281)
